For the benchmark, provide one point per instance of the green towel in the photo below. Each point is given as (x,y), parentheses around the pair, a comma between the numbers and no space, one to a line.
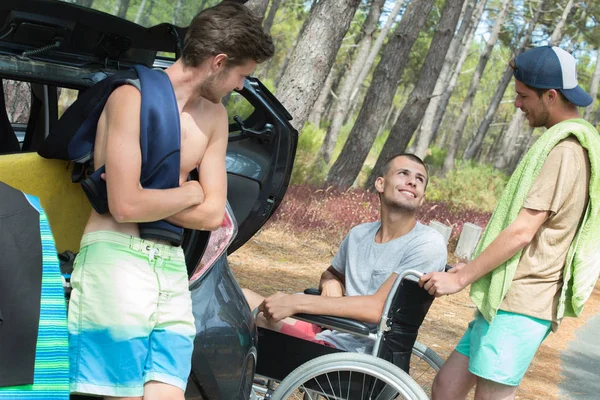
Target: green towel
(583,258)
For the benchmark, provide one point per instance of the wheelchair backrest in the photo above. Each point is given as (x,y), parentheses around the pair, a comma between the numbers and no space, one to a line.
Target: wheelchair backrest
(409,307)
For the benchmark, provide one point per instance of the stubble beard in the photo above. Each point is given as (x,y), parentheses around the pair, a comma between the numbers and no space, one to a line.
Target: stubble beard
(208,88)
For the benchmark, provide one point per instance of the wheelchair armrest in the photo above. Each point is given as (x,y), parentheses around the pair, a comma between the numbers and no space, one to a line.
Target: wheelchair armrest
(312,291)
(339,323)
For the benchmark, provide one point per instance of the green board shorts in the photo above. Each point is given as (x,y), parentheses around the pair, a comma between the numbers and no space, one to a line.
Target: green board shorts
(502,351)
(130,317)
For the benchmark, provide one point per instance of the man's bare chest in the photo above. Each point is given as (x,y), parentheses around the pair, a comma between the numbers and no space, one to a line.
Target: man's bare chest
(195,137)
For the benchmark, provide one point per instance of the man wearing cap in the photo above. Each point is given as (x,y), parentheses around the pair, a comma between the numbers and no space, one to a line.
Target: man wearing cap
(535,261)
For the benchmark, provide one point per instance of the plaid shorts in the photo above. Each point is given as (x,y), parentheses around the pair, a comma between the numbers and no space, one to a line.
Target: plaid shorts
(130,316)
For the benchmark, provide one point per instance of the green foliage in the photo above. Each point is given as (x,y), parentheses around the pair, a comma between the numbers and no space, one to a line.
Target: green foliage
(469,185)
(305,169)
(435,158)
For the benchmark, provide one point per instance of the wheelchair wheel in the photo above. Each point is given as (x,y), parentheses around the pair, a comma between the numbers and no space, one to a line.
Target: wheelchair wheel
(424,365)
(344,376)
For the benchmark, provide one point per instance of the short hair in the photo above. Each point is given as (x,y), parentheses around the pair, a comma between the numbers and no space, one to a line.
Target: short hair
(385,168)
(229,28)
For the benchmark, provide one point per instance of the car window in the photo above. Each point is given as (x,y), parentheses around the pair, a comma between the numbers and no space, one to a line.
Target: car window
(237,105)
(18,101)
(17,97)
(153,12)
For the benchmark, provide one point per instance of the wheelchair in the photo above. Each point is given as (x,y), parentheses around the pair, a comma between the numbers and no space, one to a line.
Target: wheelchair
(398,367)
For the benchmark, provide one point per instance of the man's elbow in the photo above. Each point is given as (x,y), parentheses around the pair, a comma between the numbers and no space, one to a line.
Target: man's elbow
(524,236)
(122,212)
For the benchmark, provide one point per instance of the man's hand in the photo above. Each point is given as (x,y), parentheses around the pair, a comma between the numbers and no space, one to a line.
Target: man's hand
(332,288)
(280,306)
(441,283)
(195,190)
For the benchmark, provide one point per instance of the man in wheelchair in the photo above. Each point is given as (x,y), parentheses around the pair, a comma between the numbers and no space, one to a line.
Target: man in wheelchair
(363,271)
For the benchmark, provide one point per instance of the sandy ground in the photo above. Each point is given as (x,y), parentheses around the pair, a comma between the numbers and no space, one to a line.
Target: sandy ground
(279,260)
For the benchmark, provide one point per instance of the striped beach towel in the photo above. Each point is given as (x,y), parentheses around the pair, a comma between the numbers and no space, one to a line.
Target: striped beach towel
(51,376)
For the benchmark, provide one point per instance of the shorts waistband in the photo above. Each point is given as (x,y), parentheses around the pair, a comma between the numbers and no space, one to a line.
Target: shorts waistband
(144,246)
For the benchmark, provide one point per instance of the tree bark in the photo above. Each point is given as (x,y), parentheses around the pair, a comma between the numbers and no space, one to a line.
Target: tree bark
(268,23)
(413,110)
(558,30)
(467,104)
(373,53)
(85,3)
(138,16)
(444,85)
(505,152)
(123,6)
(258,7)
(313,56)
(319,108)
(477,140)
(593,87)
(380,95)
(177,11)
(341,103)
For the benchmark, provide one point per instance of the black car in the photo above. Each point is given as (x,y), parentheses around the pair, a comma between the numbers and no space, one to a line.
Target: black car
(51,51)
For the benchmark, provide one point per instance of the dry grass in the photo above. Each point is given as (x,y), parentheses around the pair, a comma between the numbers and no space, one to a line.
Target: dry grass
(278,259)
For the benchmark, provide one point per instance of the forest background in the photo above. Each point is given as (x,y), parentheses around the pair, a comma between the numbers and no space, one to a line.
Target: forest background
(364,79)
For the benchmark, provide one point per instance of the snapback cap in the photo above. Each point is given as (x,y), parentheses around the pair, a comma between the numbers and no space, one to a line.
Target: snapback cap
(550,67)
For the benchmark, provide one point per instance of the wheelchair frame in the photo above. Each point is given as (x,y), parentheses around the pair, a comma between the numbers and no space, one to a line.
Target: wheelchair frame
(404,384)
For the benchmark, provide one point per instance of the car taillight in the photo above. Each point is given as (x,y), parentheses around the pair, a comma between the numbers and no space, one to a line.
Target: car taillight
(218,243)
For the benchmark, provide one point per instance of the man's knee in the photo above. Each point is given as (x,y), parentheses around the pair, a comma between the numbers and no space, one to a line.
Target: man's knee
(490,390)
(454,380)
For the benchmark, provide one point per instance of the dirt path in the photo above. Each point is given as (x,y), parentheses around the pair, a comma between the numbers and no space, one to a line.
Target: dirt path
(279,260)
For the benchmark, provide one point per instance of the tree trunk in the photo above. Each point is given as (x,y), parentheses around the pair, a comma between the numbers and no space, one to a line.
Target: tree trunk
(319,108)
(380,95)
(467,104)
(138,16)
(522,147)
(413,110)
(558,30)
(373,53)
(454,59)
(477,140)
(313,56)
(123,6)
(85,3)
(268,24)
(341,103)
(258,7)
(593,87)
(177,11)
(507,149)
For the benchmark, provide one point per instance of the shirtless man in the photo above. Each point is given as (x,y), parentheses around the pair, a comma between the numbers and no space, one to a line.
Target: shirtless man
(131,327)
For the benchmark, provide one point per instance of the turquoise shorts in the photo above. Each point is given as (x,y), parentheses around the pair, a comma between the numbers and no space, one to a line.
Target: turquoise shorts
(130,316)
(501,352)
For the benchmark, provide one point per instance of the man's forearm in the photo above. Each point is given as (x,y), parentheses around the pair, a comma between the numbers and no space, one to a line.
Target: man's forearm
(508,243)
(361,308)
(147,205)
(207,216)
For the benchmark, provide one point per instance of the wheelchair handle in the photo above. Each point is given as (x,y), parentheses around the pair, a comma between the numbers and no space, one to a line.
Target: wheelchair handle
(412,272)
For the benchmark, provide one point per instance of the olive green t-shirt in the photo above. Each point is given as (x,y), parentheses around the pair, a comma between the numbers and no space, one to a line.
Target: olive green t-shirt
(562,189)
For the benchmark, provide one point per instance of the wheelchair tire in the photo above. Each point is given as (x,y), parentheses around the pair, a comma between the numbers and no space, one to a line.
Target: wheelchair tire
(424,365)
(429,356)
(374,374)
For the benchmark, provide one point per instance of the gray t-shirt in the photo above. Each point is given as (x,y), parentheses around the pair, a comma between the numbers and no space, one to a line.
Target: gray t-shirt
(366,265)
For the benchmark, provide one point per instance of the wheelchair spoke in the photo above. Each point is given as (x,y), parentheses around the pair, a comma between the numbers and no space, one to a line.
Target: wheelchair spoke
(349,380)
